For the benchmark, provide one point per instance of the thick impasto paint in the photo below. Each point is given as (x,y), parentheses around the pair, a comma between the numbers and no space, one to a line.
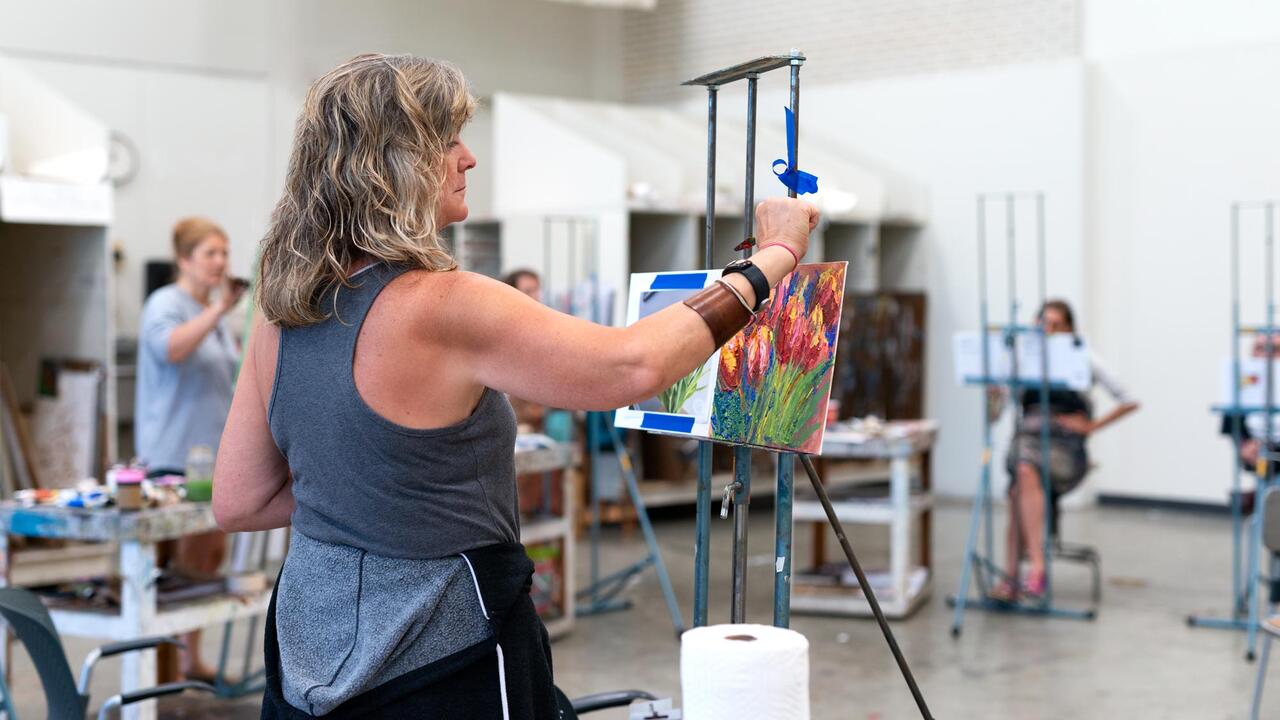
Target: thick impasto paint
(774,377)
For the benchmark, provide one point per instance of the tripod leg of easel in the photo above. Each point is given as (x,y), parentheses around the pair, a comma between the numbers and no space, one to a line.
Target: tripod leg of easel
(867,590)
(650,539)
(1255,540)
(782,541)
(975,519)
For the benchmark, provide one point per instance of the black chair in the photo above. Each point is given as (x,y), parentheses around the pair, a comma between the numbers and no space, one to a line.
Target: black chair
(571,709)
(1074,552)
(67,699)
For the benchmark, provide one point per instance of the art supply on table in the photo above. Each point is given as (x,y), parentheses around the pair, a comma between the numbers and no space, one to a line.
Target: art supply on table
(200,474)
(737,671)
(129,488)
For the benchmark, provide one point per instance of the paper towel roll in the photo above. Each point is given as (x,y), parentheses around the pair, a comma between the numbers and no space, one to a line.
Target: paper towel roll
(744,672)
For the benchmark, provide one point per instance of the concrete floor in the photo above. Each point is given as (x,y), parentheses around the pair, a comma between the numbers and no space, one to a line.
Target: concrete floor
(1138,660)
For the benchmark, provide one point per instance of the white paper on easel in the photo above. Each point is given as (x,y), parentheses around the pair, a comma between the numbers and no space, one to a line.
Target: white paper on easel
(1069,362)
(1253,382)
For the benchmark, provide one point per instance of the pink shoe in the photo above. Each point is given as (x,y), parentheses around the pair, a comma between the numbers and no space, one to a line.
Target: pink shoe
(1034,583)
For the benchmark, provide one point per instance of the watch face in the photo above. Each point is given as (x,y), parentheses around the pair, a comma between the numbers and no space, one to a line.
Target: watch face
(737,264)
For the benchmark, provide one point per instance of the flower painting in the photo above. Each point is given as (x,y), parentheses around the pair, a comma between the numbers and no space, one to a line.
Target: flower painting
(774,377)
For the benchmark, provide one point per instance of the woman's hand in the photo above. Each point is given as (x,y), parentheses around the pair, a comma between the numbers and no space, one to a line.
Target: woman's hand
(1077,423)
(786,222)
(232,290)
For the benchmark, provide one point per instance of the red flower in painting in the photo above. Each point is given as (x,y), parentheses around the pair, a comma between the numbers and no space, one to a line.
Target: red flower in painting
(731,363)
(759,350)
(792,325)
(815,340)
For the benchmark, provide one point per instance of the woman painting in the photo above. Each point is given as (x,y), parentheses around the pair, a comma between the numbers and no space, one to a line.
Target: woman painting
(370,413)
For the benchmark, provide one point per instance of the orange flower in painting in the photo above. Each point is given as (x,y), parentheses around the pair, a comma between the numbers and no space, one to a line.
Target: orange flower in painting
(731,362)
(828,295)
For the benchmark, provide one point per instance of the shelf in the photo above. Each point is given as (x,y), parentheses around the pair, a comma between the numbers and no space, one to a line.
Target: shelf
(46,202)
(666,493)
(562,456)
(825,599)
(540,530)
(869,511)
(169,620)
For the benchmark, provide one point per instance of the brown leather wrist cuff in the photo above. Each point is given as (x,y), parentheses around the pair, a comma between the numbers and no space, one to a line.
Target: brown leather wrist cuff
(721,311)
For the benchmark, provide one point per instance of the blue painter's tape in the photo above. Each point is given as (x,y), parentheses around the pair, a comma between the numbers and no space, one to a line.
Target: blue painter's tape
(680,281)
(667,423)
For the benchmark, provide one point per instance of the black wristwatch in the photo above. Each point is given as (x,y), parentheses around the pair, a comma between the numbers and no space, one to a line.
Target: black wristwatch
(753,274)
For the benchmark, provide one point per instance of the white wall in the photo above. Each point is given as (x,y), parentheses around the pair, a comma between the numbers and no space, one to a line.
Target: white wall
(961,133)
(209,89)
(1119,28)
(1183,122)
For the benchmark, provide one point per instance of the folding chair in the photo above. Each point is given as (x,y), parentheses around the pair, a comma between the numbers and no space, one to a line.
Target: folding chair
(1075,552)
(67,699)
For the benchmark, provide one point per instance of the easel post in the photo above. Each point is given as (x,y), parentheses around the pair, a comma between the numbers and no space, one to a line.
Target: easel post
(785,494)
(737,493)
(1245,572)
(702,541)
(1238,592)
(1264,450)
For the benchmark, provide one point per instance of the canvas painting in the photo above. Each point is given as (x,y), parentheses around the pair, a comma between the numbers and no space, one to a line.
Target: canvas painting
(774,378)
(769,385)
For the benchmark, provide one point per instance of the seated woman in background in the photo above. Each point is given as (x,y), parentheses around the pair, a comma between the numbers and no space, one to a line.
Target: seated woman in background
(186,378)
(1071,424)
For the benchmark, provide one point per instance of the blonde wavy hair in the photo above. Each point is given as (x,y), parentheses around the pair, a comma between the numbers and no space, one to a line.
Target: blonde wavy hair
(364,180)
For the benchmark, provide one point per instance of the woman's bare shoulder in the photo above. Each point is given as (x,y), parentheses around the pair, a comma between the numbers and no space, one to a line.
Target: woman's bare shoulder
(445,301)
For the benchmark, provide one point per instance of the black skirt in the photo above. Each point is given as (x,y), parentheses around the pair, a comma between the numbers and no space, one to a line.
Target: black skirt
(513,666)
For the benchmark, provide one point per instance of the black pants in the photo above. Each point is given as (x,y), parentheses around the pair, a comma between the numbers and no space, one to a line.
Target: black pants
(467,684)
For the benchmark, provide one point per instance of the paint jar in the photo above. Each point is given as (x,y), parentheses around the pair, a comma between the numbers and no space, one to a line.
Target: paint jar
(129,488)
(200,473)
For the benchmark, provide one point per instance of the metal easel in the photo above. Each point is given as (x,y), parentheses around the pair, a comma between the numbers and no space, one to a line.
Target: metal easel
(982,566)
(737,494)
(601,595)
(1246,536)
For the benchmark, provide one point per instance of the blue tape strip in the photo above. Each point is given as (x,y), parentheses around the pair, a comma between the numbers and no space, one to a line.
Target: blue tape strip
(679,281)
(667,423)
(798,180)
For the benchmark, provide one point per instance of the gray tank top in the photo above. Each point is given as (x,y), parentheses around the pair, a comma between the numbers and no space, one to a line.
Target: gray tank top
(364,481)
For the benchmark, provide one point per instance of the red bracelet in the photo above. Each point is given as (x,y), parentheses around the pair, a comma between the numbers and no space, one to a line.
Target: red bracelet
(784,247)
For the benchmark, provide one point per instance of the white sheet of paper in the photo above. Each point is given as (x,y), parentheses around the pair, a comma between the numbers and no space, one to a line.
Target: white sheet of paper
(1069,362)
